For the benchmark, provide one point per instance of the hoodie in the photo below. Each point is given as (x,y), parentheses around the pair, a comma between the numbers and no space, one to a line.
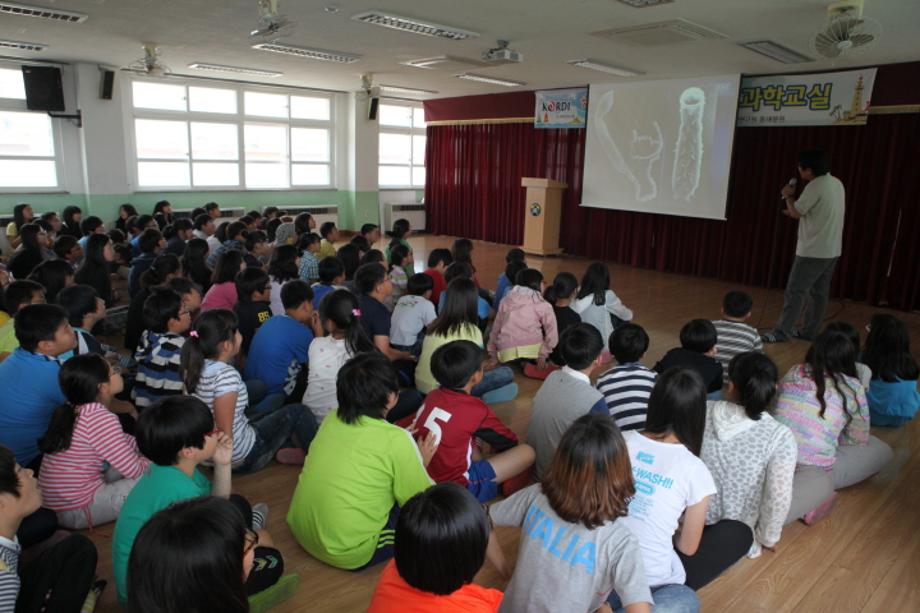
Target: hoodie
(524,318)
(752,463)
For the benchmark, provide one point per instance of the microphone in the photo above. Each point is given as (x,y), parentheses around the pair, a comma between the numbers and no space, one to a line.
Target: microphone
(792,182)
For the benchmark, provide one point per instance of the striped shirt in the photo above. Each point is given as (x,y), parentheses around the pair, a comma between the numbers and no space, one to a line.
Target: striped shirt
(219,379)
(626,389)
(9,573)
(158,376)
(309,267)
(70,478)
(734,337)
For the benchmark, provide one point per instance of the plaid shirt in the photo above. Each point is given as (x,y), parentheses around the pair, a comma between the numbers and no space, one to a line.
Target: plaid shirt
(309,266)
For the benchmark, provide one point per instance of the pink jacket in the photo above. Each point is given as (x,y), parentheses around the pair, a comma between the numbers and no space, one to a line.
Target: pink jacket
(524,318)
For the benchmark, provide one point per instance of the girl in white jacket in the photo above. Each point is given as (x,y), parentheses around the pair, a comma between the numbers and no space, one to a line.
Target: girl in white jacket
(597,304)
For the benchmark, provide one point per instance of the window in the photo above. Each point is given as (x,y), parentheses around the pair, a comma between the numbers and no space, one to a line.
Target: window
(27,140)
(190,136)
(402,146)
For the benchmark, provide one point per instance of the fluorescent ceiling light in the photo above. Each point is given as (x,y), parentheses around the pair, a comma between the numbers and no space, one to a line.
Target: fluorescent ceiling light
(413,26)
(601,67)
(22,46)
(490,80)
(641,4)
(411,91)
(777,52)
(234,69)
(312,54)
(26,10)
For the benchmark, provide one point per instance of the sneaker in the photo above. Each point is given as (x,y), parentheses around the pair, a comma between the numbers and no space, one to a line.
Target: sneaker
(291,455)
(259,516)
(773,337)
(796,333)
(821,511)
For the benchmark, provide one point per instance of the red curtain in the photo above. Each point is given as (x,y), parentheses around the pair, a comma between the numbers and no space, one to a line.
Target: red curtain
(474,189)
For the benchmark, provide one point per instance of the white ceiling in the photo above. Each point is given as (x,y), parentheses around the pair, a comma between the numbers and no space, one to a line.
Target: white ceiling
(547,32)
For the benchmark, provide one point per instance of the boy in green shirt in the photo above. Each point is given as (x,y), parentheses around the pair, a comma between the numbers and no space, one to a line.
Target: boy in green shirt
(359,471)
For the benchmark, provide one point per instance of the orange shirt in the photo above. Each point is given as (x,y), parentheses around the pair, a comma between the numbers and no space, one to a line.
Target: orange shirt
(394,595)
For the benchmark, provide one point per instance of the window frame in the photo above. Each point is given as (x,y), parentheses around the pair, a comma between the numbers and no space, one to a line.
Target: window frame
(18,105)
(411,132)
(240,119)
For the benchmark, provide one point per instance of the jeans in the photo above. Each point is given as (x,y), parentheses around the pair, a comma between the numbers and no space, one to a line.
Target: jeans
(810,278)
(671,598)
(492,380)
(276,430)
(59,578)
(260,401)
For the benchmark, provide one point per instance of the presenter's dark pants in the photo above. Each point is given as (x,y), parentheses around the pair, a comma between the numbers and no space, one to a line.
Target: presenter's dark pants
(809,282)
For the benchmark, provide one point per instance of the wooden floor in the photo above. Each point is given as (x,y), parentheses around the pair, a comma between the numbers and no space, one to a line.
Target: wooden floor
(865,557)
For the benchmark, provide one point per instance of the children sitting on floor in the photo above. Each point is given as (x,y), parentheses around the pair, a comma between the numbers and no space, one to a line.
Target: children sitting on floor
(330,234)
(222,293)
(400,262)
(525,325)
(331,278)
(892,394)
(84,310)
(627,386)
(735,336)
(504,281)
(253,307)
(561,294)
(460,422)
(90,465)
(597,304)
(17,295)
(413,313)
(697,351)
(438,261)
(159,354)
(308,247)
(361,469)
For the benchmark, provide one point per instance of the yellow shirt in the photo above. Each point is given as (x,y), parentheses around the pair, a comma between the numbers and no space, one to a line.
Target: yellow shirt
(424,380)
(325,249)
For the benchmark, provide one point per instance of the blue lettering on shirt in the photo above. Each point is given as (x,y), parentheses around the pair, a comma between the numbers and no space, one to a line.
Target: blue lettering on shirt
(645,457)
(558,540)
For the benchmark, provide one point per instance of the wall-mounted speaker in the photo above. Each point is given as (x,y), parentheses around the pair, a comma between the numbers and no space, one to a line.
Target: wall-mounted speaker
(373,103)
(106,84)
(44,90)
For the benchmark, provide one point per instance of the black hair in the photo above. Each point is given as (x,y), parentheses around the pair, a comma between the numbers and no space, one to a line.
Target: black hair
(460,309)
(418,284)
(117,236)
(194,262)
(248,218)
(195,547)
(580,345)
(90,224)
(454,363)
(78,301)
(364,385)
(52,274)
(129,210)
(19,215)
(441,539)
(887,350)
(143,221)
(816,160)
(35,323)
(698,335)
(9,479)
(182,223)
(162,266)
(374,256)
(94,258)
(169,231)
(330,268)
(515,254)
(202,220)
(272,227)
(848,330)
(283,264)
(302,223)
(159,206)
(295,293)
(131,225)
(305,240)
(677,405)
(210,206)
(228,264)
(340,307)
(737,304)
(463,251)
(170,425)
(198,210)
(182,285)
(400,228)
(270,210)
(628,343)
(595,282)
(832,355)
(211,329)
(28,233)
(440,255)
(250,280)
(79,378)
(459,270)
(564,285)
(64,244)
(361,243)
(254,238)
(45,225)
(162,305)
(754,376)
(326,229)
(220,232)
(398,255)
(236,228)
(68,215)
(369,276)
(49,215)
(350,257)
(368,227)
(530,278)
(19,293)
(149,240)
(513,268)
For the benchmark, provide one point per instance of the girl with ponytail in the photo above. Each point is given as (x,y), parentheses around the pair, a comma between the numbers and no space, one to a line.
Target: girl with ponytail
(90,464)
(561,294)
(283,433)
(345,338)
(399,235)
(750,455)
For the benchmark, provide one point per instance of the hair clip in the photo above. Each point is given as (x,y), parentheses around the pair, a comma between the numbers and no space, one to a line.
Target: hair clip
(193,333)
(356,312)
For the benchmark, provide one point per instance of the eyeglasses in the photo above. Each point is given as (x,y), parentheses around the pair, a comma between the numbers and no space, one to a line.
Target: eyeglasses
(184,312)
(252,541)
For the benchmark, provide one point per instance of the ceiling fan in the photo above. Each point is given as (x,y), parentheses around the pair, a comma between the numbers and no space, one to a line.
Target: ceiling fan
(272,24)
(150,64)
(846,29)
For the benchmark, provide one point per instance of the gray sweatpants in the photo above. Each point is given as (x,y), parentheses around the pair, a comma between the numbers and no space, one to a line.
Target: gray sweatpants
(809,280)
(813,484)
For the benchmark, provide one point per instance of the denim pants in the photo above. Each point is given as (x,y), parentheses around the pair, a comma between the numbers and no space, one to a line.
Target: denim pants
(260,401)
(671,598)
(276,430)
(492,380)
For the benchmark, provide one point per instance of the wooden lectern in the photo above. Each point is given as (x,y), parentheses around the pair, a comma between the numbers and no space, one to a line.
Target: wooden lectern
(542,210)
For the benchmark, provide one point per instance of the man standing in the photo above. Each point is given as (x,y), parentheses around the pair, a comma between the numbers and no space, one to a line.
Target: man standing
(819,211)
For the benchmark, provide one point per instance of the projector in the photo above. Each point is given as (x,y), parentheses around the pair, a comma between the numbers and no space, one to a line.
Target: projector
(502,54)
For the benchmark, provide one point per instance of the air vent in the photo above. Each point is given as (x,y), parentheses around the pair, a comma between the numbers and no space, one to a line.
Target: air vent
(235,69)
(661,33)
(489,80)
(447,63)
(644,4)
(22,46)
(413,26)
(312,54)
(25,10)
(406,91)
(776,51)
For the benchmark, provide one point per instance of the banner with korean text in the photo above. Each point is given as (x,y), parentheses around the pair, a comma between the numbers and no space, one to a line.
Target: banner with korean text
(831,98)
(561,108)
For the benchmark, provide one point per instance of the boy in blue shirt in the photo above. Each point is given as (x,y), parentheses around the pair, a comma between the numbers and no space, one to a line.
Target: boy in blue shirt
(331,278)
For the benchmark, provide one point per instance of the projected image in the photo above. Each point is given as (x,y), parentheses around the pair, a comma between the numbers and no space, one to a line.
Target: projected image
(661,146)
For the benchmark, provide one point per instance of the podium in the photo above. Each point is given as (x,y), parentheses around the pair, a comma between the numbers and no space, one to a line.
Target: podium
(542,211)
